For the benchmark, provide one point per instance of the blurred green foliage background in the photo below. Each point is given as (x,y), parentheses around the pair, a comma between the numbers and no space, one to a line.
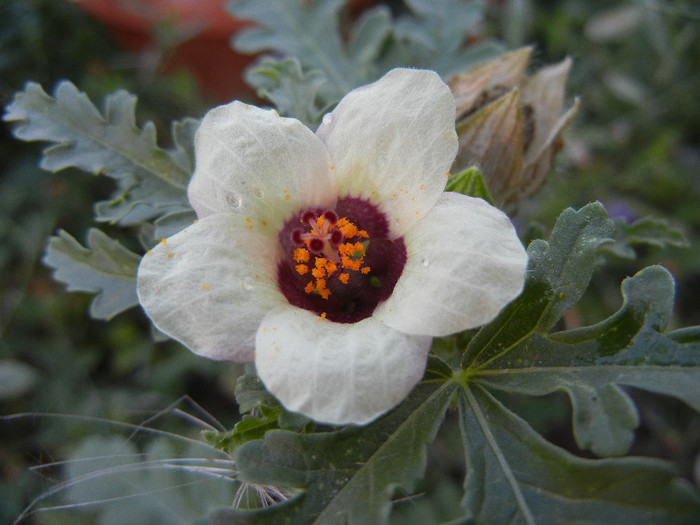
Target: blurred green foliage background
(635,146)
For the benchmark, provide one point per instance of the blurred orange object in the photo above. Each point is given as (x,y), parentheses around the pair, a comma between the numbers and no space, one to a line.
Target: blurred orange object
(201,33)
(200,37)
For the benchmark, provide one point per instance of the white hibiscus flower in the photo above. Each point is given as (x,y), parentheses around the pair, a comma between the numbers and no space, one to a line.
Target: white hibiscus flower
(332,259)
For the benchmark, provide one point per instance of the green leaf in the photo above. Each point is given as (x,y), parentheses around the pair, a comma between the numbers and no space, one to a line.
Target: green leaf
(432,36)
(514,352)
(646,231)
(249,428)
(591,363)
(558,274)
(369,36)
(435,33)
(470,182)
(250,392)
(293,92)
(348,476)
(514,476)
(151,181)
(308,31)
(170,224)
(104,268)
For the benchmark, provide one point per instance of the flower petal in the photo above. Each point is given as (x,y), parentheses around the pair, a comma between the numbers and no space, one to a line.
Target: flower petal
(255,163)
(393,142)
(465,263)
(210,285)
(337,373)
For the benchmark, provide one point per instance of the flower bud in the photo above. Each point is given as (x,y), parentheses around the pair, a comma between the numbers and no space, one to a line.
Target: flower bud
(510,125)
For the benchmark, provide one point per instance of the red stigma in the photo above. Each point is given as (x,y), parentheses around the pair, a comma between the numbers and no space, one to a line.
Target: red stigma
(316,245)
(296,238)
(331,217)
(308,217)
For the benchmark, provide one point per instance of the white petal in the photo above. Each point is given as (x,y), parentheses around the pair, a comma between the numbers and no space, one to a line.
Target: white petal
(210,285)
(337,373)
(260,165)
(393,142)
(465,263)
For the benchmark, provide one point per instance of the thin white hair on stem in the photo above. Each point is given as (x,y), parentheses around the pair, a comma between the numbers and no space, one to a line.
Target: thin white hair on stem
(102,501)
(119,424)
(226,462)
(266,494)
(213,423)
(222,468)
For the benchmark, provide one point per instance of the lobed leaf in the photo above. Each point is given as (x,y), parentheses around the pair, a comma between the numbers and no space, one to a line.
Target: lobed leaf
(151,181)
(293,92)
(436,32)
(558,274)
(104,267)
(308,31)
(645,231)
(433,35)
(348,476)
(590,364)
(514,476)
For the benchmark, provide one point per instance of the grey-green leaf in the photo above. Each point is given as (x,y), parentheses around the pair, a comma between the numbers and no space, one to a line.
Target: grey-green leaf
(250,391)
(645,231)
(435,33)
(151,181)
(590,364)
(432,36)
(350,475)
(305,30)
(103,267)
(293,92)
(516,477)
(558,274)
(16,378)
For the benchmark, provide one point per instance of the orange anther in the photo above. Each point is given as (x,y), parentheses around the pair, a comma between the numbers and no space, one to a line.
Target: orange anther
(301,269)
(344,277)
(321,288)
(301,255)
(349,263)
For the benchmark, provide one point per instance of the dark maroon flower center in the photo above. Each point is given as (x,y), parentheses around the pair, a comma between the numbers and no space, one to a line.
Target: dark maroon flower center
(339,263)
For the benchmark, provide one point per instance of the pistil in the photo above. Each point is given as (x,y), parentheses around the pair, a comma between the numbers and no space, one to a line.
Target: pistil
(334,244)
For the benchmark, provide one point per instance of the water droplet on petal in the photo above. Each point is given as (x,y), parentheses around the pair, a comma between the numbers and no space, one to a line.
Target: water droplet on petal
(425,261)
(248,283)
(327,119)
(258,193)
(233,200)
